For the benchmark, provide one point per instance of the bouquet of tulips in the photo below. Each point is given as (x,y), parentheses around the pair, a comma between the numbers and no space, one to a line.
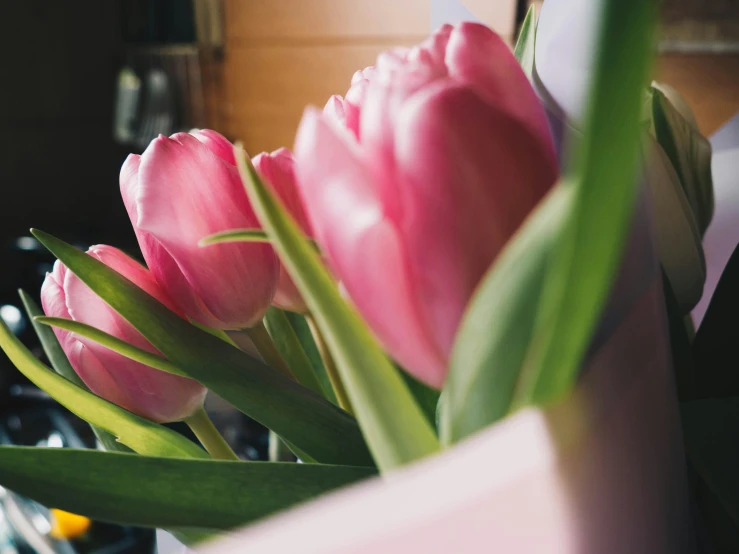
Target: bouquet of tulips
(445,262)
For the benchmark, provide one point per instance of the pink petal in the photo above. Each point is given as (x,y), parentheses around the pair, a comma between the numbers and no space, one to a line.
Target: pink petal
(162,265)
(362,244)
(468,181)
(477,56)
(185,193)
(216,143)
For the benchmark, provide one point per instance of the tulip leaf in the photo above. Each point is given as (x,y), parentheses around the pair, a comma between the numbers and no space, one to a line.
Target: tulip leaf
(301,417)
(396,430)
(165,492)
(239,235)
(115,344)
(235,235)
(307,341)
(61,365)
(286,341)
(141,435)
(603,175)
(49,342)
(496,329)
(526,43)
(690,154)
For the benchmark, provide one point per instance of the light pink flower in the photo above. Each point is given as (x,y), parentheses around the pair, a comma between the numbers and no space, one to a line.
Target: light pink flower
(447,151)
(140,389)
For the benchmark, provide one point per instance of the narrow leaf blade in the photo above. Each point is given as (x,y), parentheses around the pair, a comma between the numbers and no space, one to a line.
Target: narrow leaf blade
(165,492)
(113,343)
(396,430)
(526,43)
(286,341)
(235,235)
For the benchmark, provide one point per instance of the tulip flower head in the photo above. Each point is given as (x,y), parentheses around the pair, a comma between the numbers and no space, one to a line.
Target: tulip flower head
(180,190)
(148,392)
(416,179)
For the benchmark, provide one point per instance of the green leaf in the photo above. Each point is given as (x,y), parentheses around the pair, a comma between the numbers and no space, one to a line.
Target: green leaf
(690,155)
(603,175)
(426,397)
(240,235)
(711,428)
(526,43)
(61,365)
(496,330)
(49,342)
(141,435)
(113,343)
(165,492)
(301,417)
(396,430)
(305,337)
(286,341)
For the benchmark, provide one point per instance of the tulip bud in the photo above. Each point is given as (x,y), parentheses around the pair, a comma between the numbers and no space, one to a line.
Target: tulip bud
(448,150)
(182,189)
(148,392)
(278,169)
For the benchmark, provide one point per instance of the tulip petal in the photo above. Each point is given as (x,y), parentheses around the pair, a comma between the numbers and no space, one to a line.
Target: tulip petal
(216,143)
(362,244)
(162,265)
(470,173)
(479,57)
(185,193)
(147,392)
(278,169)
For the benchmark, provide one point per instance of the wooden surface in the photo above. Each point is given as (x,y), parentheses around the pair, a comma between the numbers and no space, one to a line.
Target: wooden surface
(709,83)
(282,55)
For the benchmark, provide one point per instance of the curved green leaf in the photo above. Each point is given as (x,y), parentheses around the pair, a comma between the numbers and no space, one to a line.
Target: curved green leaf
(61,365)
(497,327)
(526,43)
(165,492)
(690,154)
(115,344)
(49,342)
(307,341)
(603,175)
(240,235)
(396,430)
(301,417)
(142,435)
(287,343)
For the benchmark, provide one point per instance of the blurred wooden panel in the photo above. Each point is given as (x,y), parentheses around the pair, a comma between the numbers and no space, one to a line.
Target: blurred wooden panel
(268,87)
(250,20)
(709,83)
(499,15)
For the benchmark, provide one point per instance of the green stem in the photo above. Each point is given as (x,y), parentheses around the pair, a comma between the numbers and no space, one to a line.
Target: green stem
(209,436)
(330,365)
(267,349)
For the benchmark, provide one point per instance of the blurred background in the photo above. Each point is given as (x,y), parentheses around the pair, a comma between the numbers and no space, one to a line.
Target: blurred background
(87,82)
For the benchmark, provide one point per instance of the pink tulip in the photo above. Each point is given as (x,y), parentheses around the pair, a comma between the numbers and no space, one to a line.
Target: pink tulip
(140,389)
(447,151)
(278,169)
(182,189)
